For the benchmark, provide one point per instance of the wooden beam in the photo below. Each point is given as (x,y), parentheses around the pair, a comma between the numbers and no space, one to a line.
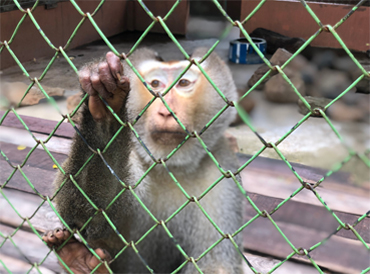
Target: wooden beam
(65,130)
(29,250)
(337,254)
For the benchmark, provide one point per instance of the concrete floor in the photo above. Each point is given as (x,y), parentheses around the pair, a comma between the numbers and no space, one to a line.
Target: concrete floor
(313,144)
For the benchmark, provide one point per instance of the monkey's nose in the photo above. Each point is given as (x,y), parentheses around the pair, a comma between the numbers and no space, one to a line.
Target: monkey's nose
(163,111)
(170,99)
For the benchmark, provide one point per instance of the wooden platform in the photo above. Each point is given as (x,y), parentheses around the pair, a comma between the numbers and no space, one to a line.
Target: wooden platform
(304,220)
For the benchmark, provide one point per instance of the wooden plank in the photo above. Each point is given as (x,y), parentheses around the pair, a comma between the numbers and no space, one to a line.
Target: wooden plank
(29,249)
(23,137)
(265,264)
(38,169)
(308,173)
(309,216)
(39,158)
(27,206)
(43,126)
(15,265)
(45,219)
(337,254)
(40,179)
(303,219)
(275,179)
(292,212)
(255,234)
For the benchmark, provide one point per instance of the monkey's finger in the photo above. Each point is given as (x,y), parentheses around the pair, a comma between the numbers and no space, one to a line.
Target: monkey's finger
(114,64)
(97,108)
(61,235)
(85,82)
(124,84)
(50,238)
(67,234)
(93,261)
(106,77)
(45,238)
(58,234)
(98,86)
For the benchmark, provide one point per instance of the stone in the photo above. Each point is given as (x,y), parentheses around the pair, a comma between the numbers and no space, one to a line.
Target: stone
(330,83)
(344,64)
(257,75)
(278,90)
(315,102)
(12,93)
(276,40)
(364,85)
(324,59)
(340,111)
(232,142)
(248,104)
(279,58)
(309,73)
(72,103)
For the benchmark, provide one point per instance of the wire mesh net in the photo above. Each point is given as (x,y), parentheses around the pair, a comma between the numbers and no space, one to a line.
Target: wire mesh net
(60,52)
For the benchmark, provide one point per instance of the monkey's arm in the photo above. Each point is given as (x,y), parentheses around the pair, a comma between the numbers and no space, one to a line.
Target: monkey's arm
(99,177)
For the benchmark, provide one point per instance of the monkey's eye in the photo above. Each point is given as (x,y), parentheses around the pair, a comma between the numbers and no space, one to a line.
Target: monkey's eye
(184,83)
(155,84)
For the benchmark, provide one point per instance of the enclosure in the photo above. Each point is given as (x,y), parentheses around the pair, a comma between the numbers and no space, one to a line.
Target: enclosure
(304,166)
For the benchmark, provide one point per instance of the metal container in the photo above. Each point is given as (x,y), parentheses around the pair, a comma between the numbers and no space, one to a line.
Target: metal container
(241,52)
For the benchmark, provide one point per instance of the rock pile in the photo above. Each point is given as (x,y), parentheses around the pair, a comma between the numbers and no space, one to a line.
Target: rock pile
(320,80)
(12,93)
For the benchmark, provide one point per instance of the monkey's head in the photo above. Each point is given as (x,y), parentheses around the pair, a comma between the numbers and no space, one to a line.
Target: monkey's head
(192,99)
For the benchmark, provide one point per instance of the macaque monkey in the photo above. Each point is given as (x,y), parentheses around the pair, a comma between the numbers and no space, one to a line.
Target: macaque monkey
(194,102)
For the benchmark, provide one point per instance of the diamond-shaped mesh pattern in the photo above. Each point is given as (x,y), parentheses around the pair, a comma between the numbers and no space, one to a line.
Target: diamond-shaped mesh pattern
(60,52)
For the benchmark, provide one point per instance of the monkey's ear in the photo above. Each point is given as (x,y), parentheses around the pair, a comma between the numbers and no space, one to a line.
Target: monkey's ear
(199,53)
(144,54)
(158,58)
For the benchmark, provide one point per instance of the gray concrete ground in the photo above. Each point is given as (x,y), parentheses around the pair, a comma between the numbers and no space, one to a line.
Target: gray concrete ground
(313,143)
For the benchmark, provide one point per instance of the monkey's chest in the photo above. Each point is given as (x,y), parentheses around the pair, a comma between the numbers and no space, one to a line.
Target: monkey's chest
(168,197)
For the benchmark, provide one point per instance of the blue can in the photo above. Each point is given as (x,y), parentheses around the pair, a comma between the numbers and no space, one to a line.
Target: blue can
(241,51)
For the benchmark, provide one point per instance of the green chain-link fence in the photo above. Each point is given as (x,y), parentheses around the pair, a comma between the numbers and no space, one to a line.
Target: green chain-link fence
(60,51)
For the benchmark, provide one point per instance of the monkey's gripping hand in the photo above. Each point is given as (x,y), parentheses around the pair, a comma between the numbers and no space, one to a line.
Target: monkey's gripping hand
(106,79)
(74,254)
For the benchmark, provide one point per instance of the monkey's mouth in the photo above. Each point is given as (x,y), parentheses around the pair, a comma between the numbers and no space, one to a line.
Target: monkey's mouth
(168,136)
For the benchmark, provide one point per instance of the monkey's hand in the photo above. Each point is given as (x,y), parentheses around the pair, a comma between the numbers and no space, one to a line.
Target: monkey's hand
(75,254)
(106,79)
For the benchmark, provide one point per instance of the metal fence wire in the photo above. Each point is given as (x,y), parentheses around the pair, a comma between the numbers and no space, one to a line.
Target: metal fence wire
(60,51)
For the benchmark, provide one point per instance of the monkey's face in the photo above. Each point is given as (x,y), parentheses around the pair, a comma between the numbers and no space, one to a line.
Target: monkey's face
(181,99)
(191,98)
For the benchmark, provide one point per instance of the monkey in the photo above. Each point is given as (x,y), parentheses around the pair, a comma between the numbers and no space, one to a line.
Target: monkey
(173,183)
